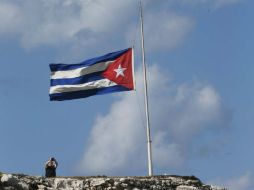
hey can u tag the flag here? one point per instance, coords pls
(109, 73)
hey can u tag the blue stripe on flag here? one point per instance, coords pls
(86, 93)
(89, 62)
(78, 80)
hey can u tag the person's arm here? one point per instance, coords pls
(46, 164)
(56, 163)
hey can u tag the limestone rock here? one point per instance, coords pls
(166, 182)
(97, 182)
(185, 187)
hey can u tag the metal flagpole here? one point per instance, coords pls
(149, 150)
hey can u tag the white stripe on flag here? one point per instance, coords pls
(80, 71)
(77, 87)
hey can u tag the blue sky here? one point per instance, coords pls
(199, 56)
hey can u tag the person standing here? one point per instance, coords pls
(50, 167)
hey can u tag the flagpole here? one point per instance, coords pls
(149, 141)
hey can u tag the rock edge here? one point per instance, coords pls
(165, 182)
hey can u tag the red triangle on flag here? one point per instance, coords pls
(120, 71)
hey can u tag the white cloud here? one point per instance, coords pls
(117, 142)
(10, 17)
(244, 182)
(167, 32)
(82, 24)
(94, 24)
(214, 3)
(62, 21)
(221, 3)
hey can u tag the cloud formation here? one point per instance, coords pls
(221, 3)
(82, 24)
(244, 182)
(179, 114)
(165, 33)
(10, 16)
(78, 25)
(61, 21)
(214, 3)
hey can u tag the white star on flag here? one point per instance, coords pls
(119, 71)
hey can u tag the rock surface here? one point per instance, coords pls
(25, 182)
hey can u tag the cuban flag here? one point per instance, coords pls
(109, 73)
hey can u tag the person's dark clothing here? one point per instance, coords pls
(50, 171)
(50, 168)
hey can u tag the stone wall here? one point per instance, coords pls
(24, 182)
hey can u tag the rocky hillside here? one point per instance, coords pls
(25, 182)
